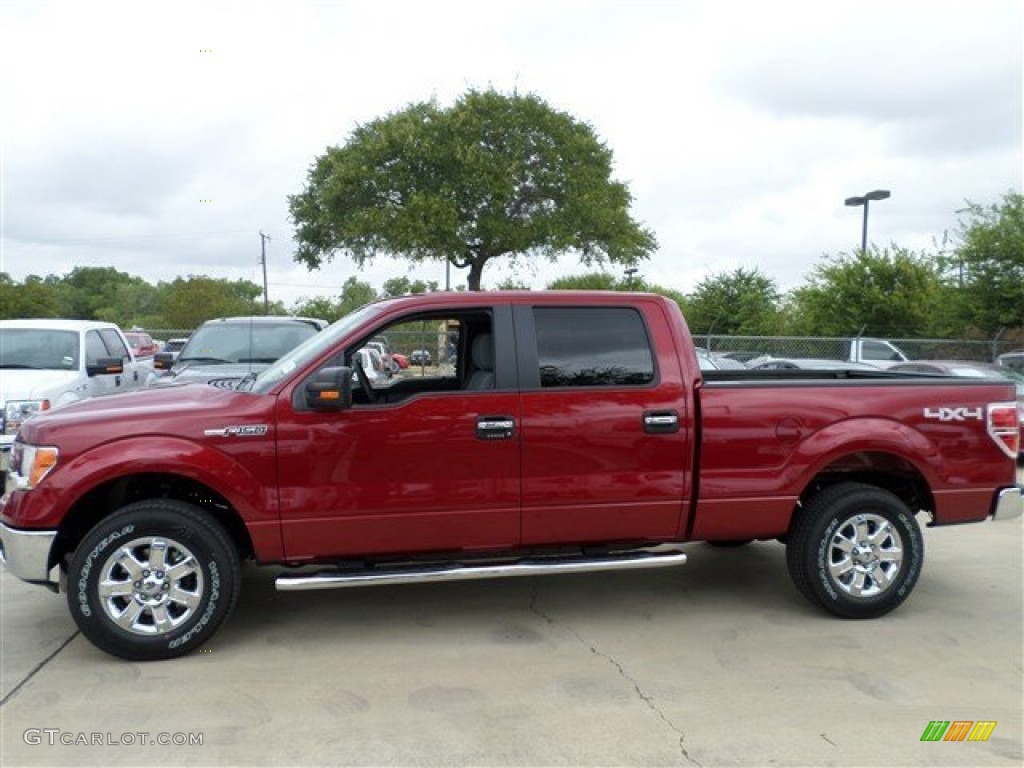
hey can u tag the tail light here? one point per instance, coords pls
(1004, 426)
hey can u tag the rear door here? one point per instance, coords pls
(605, 430)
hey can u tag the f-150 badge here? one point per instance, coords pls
(954, 414)
(241, 430)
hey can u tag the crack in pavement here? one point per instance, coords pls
(622, 672)
(38, 667)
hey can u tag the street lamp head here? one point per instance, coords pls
(878, 194)
(856, 200)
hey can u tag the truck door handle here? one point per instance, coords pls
(661, 422)
(495, 427)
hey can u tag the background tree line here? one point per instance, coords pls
(507, 177)
(973, 288)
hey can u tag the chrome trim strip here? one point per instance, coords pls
(460, 572)
(1009, 504)
(26, 554)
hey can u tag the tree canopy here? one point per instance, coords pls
(493, 176)
(989, 265)
(884, 292)
(743, 302)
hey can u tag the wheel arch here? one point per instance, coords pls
(111, 495)
(883, 469)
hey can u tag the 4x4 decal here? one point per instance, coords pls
(960, 413)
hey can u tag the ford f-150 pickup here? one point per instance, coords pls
(573, 431)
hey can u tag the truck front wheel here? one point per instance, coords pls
(153, 581)
(855, 550)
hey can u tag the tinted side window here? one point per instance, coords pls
(592, 347)
(94, 348)
(114, 343)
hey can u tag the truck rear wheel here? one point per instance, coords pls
(153, 581)
(855, 550)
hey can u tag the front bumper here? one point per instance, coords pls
(26, 554)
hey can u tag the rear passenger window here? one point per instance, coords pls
(592, 347)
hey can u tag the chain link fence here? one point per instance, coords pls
(838, 348)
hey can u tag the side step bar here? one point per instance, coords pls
(656, 557)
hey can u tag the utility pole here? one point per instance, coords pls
(263, 261)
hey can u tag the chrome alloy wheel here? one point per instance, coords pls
(865, 555)
(151, 585)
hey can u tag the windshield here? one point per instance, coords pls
(39, 349)
(244, 342)
(312, 348)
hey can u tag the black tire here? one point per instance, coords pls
(855, 550)
(170, 598)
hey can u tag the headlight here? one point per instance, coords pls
(31, 463)
(16, 411)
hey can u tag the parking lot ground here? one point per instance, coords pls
(718, 662)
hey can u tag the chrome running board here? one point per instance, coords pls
(655, 557)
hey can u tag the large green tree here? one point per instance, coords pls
(189, 302)
(495, 175)
(744, 302)
(403, 286)
(354, 294)
(886, 292)
(34, 297)
(987, 266)
(604, 281)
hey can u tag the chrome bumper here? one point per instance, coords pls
(26, 554)
(1009, 504)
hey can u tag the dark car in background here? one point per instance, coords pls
(420, 357)
(230, 348)
(1014, 360)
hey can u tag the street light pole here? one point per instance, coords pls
(629, 276)
(878, 194)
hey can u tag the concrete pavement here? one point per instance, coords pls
(718, 662)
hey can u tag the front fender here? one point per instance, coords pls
(244, 474)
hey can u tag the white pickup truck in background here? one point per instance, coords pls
(878, 352)
(45, 364)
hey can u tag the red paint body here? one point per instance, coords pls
(413, 477)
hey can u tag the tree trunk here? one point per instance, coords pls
(476, 270)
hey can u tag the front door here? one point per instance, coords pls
(426, 467)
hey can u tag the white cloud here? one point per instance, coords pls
(740, 127)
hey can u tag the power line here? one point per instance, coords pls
(108, 238)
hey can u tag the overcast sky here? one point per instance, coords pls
(160, 138)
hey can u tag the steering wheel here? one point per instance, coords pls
(364, 381)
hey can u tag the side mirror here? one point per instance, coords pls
(105, 365)
(163, 361)
(330, 389)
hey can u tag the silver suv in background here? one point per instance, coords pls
(230, 348)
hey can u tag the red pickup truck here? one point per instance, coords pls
(571, 432)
